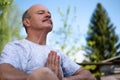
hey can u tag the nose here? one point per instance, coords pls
(48, 15)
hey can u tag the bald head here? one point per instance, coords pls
(36, 7)
(34, 14)
(26, 14)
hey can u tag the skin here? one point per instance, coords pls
(8, 72)
(53, 62)
(54, 65)
(42, 74)
(38, 25)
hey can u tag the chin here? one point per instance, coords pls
(49, 29)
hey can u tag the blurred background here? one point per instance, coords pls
(85, 30)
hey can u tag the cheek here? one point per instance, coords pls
(36, 21)
(36, 18)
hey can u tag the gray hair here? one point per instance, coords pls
(25, 15)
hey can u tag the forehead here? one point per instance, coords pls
(36, 8)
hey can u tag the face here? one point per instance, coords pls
(40, 18)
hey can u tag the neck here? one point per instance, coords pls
(37, 38)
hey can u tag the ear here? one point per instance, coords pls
(26, 22)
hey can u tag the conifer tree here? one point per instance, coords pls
(102, 41)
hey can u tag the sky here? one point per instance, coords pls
(84, 11)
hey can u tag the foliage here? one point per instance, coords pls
(67, 36)
(102, 41)
(9, 22)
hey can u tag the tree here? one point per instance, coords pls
(9, 22)
(102, 41)
(67, 38)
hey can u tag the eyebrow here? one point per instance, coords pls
(44, 11)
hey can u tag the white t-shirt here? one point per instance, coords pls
(28, 56)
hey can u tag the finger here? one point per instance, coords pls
(54, 55)
(57, 63)
(50, 58)
(48, 62)
(54, 65)
(59, 68)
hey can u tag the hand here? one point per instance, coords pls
(85, 74)
(81, 74)
(53, 62)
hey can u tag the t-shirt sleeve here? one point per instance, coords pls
(69, 67)
(9, 55)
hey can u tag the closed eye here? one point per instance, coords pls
(40, 12)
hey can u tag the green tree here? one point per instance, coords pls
(102, 41)
(9, 22)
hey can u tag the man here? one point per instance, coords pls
(32, 58)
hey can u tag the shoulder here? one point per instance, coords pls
(18, 42)
(15, 45)
(15, 48)
(15, 42)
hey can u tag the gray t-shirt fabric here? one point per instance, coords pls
(28, 56)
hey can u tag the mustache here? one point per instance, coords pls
(47, 19)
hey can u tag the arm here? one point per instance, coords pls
(8, 72)
(81, 74)
(53, 62)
